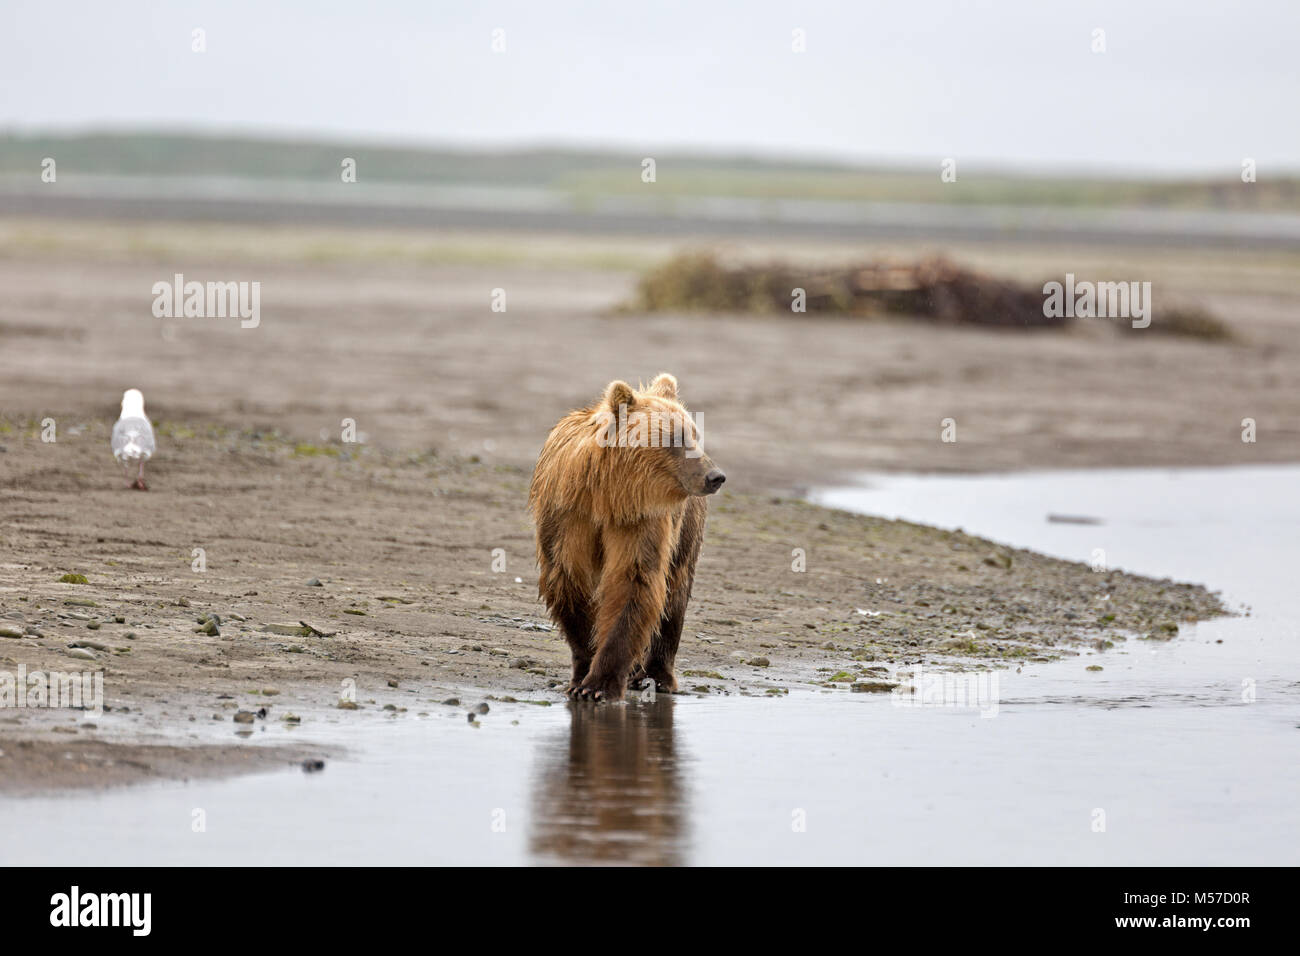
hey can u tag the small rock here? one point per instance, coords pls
(760, 662)
(244, 717)
(482, 709)
(81, 653)
(10, 632)
(93, 645)
(347, 705)
(313, 766)
(452, 701)
(315, 583)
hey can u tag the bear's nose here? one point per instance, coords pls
(714, 479)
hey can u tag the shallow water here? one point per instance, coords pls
(1189, 748)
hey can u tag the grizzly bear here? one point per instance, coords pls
(618, 499)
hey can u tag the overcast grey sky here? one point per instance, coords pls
(1190, 86)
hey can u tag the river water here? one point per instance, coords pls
(1179, 752)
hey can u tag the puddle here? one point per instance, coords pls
(1188, 748)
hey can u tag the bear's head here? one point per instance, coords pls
(654, 436)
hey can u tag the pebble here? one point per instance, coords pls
(313, 766)
(81, 653)
(315, 583)
(243, 717)
(10, 632)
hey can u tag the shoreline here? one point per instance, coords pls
(410, 611)
(452, 401)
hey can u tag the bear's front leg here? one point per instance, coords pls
(575, 623)
(629, 602)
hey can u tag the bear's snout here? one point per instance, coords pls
(713, 481)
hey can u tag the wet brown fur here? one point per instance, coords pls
(618, 534)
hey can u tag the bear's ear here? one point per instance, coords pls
(619, 393)
(664, 385)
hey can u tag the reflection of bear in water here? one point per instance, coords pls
(610, 792)
(620, 517)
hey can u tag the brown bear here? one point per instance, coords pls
(618, 498)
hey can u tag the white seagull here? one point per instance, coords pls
(133, 437)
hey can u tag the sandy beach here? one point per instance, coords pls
(451, 402)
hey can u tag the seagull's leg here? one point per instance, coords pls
(139, 481)
(126, 471)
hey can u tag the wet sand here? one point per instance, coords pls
(452, 402)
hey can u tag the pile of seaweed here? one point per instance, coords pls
(933, 289)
